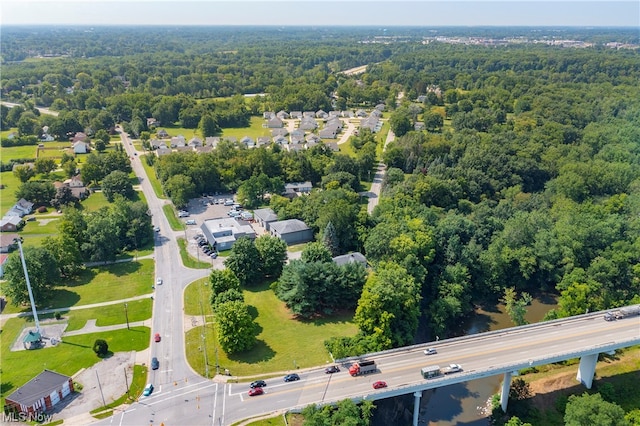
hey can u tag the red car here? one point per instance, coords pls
(379, 385)
(256, 391)
(157, 337)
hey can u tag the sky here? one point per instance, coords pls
(625, 13)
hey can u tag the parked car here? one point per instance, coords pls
(183, 213)
(156, 228)
(157, 337)
(190, 222)
(379, 384)
(258, 384)
(159, 281)
(430, 351)
(291, 377)
(213, 254)
(155, 364)
(256, 391)
(147, 389)
(332, 369)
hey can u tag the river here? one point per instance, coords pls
(467, 403)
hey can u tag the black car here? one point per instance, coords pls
(332, 369)
(155, 364)
(258, 384)
(291, 377)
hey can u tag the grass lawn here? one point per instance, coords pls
(255, 130)
(188, 260)
(170, 212)
(273, 350)
(137, 310)
(151, 175)
(8, 193)
(74, 353)
(94, 202)
(18, 152)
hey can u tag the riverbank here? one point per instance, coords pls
(551, 385)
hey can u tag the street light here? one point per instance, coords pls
(126, 314)
(26, 277)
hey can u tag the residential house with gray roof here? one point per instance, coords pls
(291, 231)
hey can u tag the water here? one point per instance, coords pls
(467, 403)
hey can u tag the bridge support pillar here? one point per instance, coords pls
(504, 396)
(587, 369)
(416, 407)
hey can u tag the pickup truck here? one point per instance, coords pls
(452, 368)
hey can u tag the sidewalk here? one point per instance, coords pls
(91, 327)
(5, 317)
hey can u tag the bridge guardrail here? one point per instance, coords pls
(512, 330)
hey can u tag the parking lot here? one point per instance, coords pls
(205, 208)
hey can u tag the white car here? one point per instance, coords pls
(452, 368)
(430, 351)
(159, 281)
(190, 222)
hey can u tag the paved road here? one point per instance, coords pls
(378, 178)
(43, 110)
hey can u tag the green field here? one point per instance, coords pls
(74, 353)
(137, 310)
(284, 343)
(102, 284)
(151, 175)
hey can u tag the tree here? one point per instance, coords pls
(330, 240)
(102, 136)
(181, 189)
(432, 121)
(39, 193)
(64, 196)
(43, 276)
(235, 328)
(242, 261)
(101, 347)
(45, 165)
(100, 145)
(23, 172)
(223, 280)
(516, 308)
(208, 126)
(315, 252)
(66, 252)
(588, 409)
(400, 122)
(273, 255)
(117, 183)
(389, 305)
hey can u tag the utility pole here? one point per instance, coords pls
(26, 277)
(126, 315)
(104, 404)
(125, 379)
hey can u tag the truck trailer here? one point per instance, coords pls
(362, 367)
(627, 311)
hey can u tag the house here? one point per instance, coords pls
(177, 141)
(328, 133)
(268, 115)
(248, 142)
(280, 140)
(348, 114)
(333, 146)
(195, 142)
(26, 207)
(203, 149)
(162, 134)
(7, 242)
(10, 223)
(380, 107)
(291, 231)
(152, 122)
(295, 147)
(279, 132)
(263, 141)
(40, 394)
(80, 147)
(418, 126)
(296, 115)
(350, 258)
(79, 137)
(231, 139)
(74, 182)
(308, 124)
(321, 114)
(212, 141)
(297, 188)
(361, 113)
(312, 138)
(264, 217)
(184, 148)
(3, 259)
(334, 113)
(282, 115)
(163, 151)
(275, 123)
(309, 114)
(222, 233)
(46, 137)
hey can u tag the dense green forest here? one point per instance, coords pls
(528, 177)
